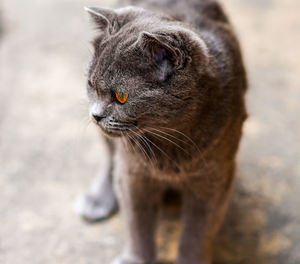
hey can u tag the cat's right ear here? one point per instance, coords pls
(167, 57)
(104, 18)
(159, 49)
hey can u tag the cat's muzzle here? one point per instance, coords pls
(115, 128)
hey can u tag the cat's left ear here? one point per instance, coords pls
(104, 18)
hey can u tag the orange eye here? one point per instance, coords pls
(122, 98)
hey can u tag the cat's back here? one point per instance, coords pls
(191, 11)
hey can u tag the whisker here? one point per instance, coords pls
(86, 121)
(140, 146)
(169, 140)
(124, 141)
(188, 138)
(129, 140)
(170, 135)
(163, 152)
(181, 133)
(145, 141)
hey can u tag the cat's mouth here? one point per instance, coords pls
(116, 128)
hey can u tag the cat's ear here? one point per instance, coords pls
(104, 18)
(165, 55)
(159, 49)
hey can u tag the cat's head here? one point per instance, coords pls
(145, 71)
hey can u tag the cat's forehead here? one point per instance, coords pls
(118, 54)
(111, 72)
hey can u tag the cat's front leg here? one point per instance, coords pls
(100, 201)
(139, 197)
(202, 217)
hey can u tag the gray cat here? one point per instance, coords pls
(166, 86)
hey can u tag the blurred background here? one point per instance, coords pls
(49, 153)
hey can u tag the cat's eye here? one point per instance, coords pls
(121, 97)
(90, 84)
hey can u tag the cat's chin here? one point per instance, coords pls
(116, 128)
(113, 133)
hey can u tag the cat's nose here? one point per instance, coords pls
(98, 118)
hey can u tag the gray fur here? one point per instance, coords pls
(181, 124)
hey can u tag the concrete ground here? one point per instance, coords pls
(49, 153)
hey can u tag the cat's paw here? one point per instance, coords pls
(92, 208)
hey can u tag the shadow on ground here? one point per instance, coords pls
(253, 231)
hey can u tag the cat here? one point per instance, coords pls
(166, 86)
